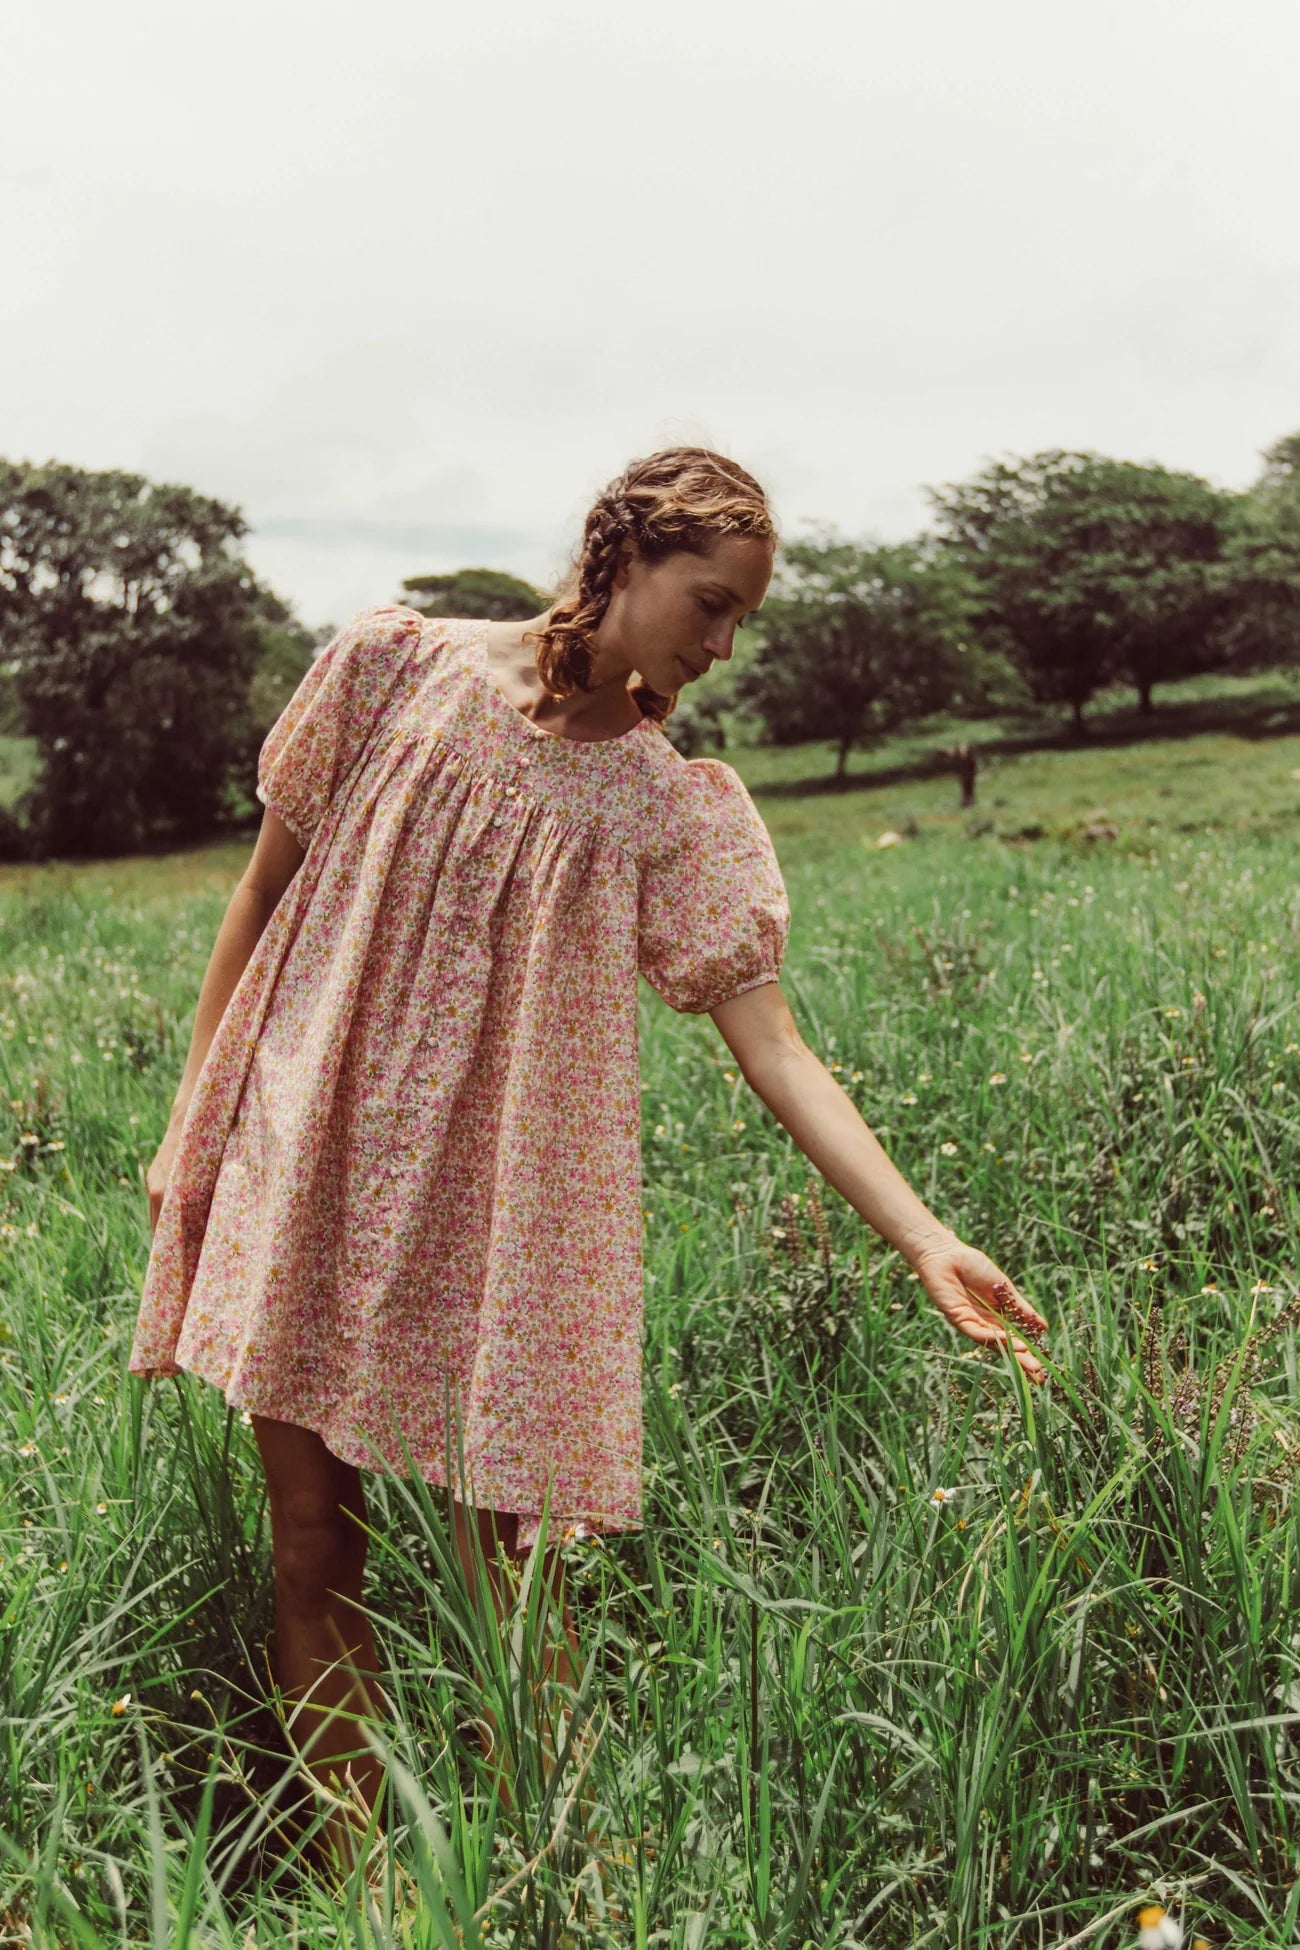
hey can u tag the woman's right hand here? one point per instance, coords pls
(155, 1179)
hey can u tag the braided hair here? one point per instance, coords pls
(681, 498)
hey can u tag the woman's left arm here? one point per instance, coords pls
(970, 1291)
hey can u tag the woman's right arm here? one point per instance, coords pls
(276, 859)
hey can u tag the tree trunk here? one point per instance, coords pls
(841, 763)
(1077, 726)
(1145, 706)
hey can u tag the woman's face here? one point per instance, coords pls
(671, 621)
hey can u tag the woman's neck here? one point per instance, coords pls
(604, 711)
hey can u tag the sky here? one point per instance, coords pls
(409, 283)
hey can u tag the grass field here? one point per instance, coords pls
(840, 1711)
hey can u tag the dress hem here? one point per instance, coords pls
(347, 1451)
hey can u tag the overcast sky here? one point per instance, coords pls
(408, 283)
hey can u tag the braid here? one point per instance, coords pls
(681, 498)
(564, 650)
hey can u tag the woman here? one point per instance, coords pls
(398, 1205)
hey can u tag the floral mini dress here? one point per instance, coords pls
(405, 1208)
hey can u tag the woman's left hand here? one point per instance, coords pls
(977, 1298)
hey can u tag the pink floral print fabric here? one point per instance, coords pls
(406, 1204)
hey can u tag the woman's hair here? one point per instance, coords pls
(680, 498)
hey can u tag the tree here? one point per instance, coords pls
(1094, 570)
(134, 628)
(285, 652)
(857, 640)
(474, 592)
(1281, 475)
(1264, 550)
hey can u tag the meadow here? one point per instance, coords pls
(909, 1653)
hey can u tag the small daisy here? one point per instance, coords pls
(119, 1706)
(1158, 1930)
(948, 1149)
(942, 1495)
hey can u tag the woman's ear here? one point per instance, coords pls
(626, 556)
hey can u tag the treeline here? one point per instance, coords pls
(1042, 581)
(147, 662)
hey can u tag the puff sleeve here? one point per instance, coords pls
(329, 721)
(713, 917)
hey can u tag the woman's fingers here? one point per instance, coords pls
(983, 1328)
(977, 1298)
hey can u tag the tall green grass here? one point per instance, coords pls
(823, 1706)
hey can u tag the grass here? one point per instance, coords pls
(834, 1710)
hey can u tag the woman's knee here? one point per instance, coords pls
(316, 1501)
(316, 1558)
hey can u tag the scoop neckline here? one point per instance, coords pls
(526, 723)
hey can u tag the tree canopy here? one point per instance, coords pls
(1092, 570)
(135, 630)
(474, 592)
(857, 639)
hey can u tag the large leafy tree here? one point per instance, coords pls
(858, 639)
(135, 629)
(474, 592)
(1093, 571)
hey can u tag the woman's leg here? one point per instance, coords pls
(320, 1555)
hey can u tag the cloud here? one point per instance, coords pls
(409, 288)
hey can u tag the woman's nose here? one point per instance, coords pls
(719, 643)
